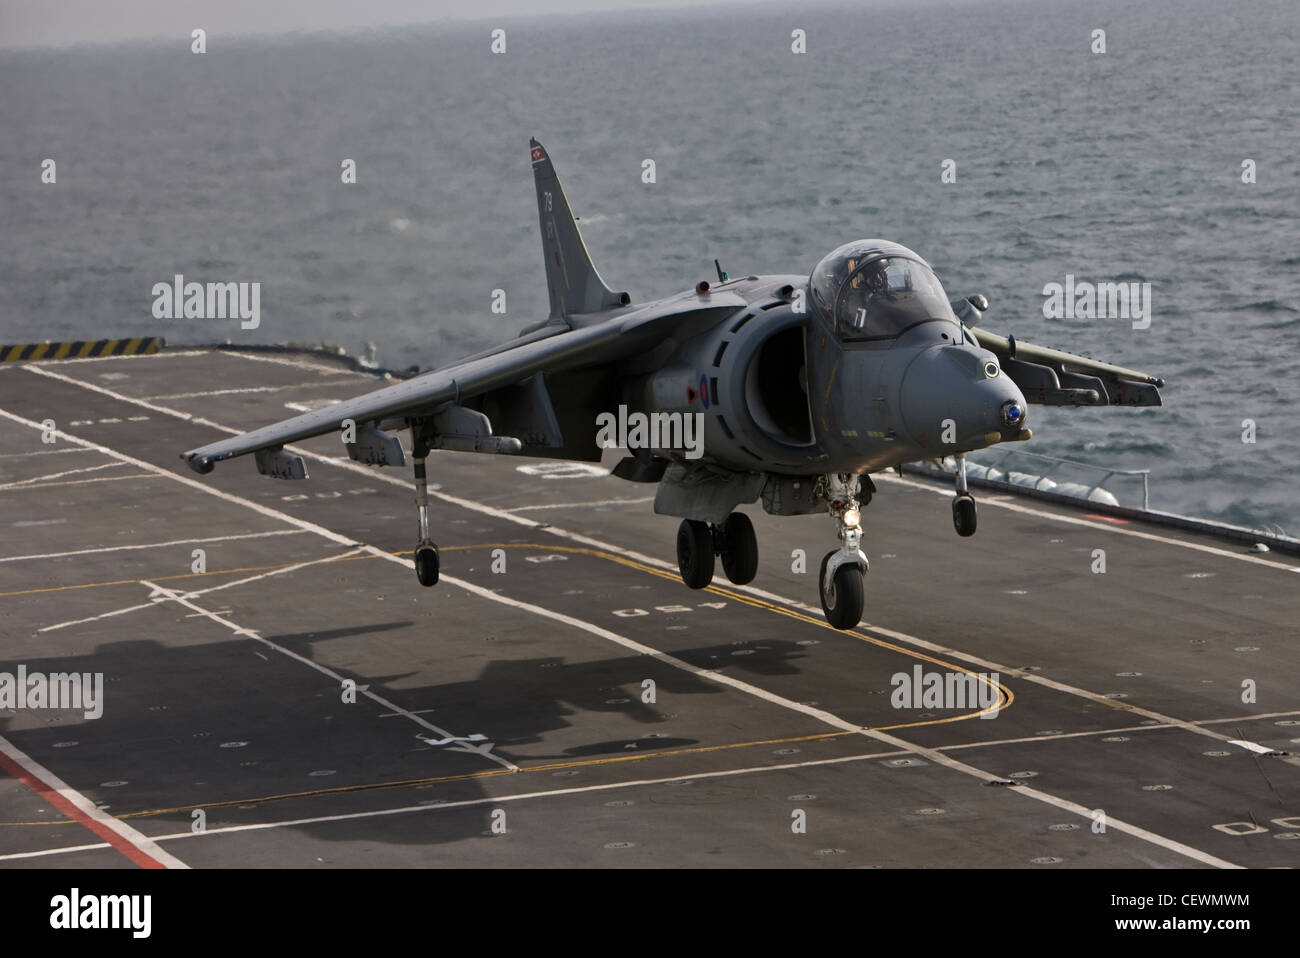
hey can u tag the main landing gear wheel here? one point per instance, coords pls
(695, 553)
(842, 602)
(963, 514)
(739, 549)
(426, 564)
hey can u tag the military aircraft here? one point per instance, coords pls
(800, 387)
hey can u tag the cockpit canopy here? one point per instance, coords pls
(874, 290)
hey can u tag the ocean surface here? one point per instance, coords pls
(1122, 166)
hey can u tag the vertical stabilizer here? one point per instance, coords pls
(571, 279)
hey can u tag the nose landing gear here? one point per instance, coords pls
(963, 506)
(840, 581)
(843, 594)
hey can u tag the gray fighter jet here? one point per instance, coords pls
(791, 389)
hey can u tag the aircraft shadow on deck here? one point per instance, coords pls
(224, 726)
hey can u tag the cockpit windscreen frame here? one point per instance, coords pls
(882, 295)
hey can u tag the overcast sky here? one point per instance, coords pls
(58, 22)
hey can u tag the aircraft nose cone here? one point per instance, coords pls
(955, 398)
(1012, 414)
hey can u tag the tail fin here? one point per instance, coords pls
(572, 280)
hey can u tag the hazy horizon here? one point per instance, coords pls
(61, 23)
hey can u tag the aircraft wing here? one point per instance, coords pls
(616, 338)
(1054, 378)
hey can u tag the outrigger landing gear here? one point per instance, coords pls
(699, 542)
(840, 581)
(963, 506)
(426, 553)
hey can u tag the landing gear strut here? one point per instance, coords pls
(840, 580)
(426, 553)
(963, 505)
(699, 542)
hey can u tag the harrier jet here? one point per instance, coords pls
(791, 389)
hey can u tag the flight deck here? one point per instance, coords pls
(279, 690)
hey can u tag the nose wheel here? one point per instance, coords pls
(843, 594)
(840, 582)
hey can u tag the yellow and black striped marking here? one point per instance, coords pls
(82, 349)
